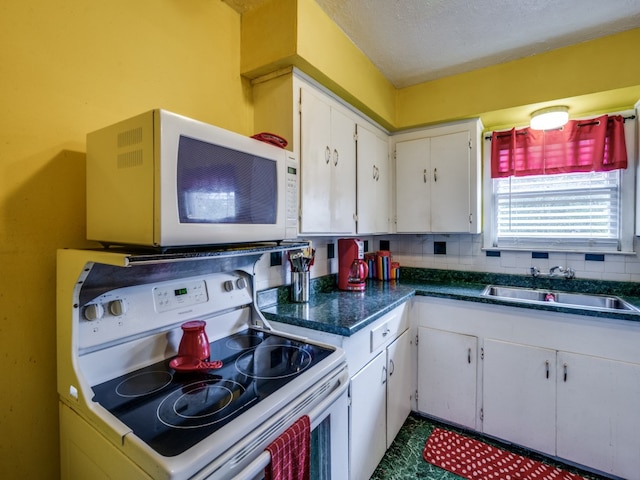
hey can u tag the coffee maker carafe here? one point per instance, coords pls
(352, 269)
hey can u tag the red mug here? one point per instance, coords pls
(194, 342)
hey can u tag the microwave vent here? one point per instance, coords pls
(130, 137)
(130, 159)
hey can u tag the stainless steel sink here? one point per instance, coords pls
(566, 299)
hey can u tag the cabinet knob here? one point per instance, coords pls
(424, 175)
(335, 157)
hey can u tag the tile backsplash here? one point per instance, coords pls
(463, 252)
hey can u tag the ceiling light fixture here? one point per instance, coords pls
(550, 118)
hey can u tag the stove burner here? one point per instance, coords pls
(242, 342)
(200, 404)
(272, 361)
(143, 384)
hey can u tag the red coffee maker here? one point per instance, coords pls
(352, 269)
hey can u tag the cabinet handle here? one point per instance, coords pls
(393, 367)
(469, 356)
(384, 375)
(424, 175)
(547, 368)
(435, 174)
(566, 369)
(327, 155)
(335, 157)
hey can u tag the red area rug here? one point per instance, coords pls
(475, 460)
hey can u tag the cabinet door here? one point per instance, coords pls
(598, 420)
(367, 418)
(519, 394)
(413, 205)
(398, 385)
(372, 185)
(342, 186)
(315, 163)
(447, 375)
(450, 186)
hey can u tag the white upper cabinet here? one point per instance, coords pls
(373, 184)
(438, 178)
(327, 164)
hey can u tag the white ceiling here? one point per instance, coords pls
(414, 41)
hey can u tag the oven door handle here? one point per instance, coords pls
(315, 416)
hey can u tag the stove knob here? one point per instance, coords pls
(93, 311)
(117, 307)
(241, 283)
(228, 285)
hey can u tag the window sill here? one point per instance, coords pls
(583, 251)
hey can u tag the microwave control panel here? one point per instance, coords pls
(291, 220)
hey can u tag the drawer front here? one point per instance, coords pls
(388, 328)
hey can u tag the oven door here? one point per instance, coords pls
(329, 443)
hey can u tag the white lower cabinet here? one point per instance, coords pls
(368, 422)
(381, 364)
(380, 403)
(579, 407)
(447, 375)
(399, 384)
(519, 394)
(598, 413)
(382, 382)
(561, 384)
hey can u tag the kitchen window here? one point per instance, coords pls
(563, 210)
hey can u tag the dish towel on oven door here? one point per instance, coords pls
(290, 453)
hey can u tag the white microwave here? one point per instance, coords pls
(164, 180)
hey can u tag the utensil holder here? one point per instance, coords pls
(300, 287)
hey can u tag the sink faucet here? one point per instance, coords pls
(558, 270)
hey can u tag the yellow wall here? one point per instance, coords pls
(590, 77)
(508, 93)
(320, 49)
(67, 68)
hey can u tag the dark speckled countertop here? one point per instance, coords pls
(344, 313)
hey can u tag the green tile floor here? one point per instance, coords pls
(404, 459)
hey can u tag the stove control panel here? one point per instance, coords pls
(179, 295)
(140, 310)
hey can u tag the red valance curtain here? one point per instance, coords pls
(594, 145)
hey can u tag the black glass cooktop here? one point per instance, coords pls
(172, 411)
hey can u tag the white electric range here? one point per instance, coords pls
(126, 413)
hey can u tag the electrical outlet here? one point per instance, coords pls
(276, 258)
